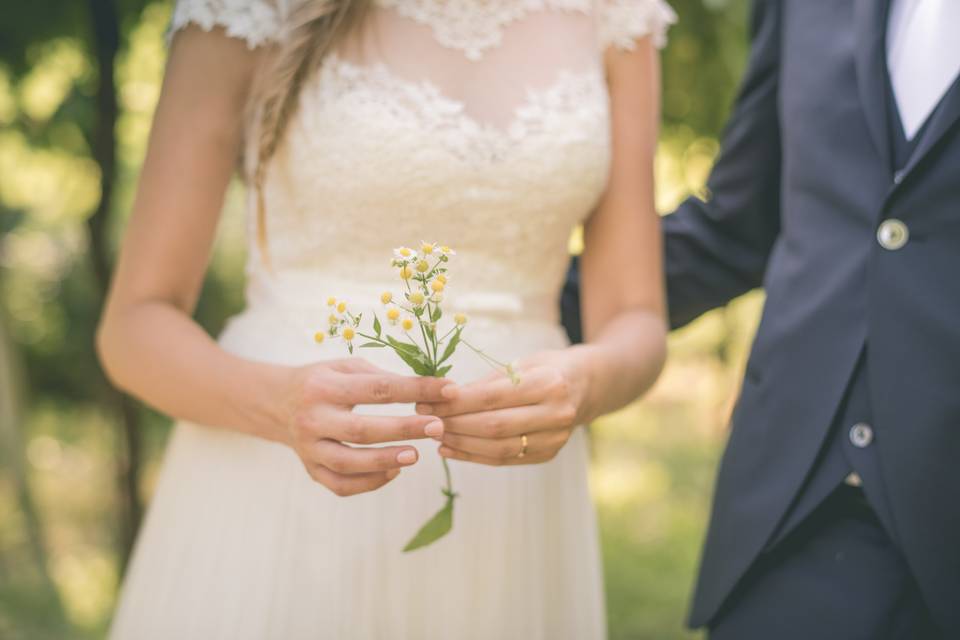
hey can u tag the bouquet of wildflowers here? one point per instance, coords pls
(415, 317)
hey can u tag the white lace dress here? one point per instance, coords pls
(482, 124)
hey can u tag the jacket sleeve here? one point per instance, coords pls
(717, 249)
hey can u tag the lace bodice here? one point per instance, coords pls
(480, 123)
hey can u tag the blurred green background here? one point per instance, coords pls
(78, 84)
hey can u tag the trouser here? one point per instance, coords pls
(836, 576)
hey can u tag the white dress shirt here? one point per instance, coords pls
(923, 56)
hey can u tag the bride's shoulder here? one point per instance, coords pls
(622, 22)
(257, 22)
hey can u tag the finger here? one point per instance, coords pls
(504, 448)
(355, 365)
(356, 428)
(384, 388)
(453, 454)
(343, 486)
(504, 423)
(347, 460)
(496, 393)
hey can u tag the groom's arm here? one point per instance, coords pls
(716, 250)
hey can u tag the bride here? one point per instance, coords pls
(495, 126)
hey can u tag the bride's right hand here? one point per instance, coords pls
(322, 422)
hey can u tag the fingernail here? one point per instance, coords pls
(407, 456)
(424, 409)
(434, 429)
(450, 391)
(444, 452)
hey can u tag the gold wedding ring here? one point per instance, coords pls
(523, 446)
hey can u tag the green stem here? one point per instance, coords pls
(374, 339)
(489, 359)
(446, 472)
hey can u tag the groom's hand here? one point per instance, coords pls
(322, 422)
(496, 422)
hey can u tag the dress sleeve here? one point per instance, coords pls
(257, 22)
(622, 22)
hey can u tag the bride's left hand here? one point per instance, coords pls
(488, 420)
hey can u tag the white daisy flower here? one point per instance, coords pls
(404, 254)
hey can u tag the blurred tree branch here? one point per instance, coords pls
(106, 30)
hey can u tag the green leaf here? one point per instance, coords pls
(376, 325)
(418, 367)
(369, 345)
(404, 346)
(435, 528)
(451, 346)
(437, 314)
(442, 371)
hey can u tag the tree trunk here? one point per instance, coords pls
(106, 31)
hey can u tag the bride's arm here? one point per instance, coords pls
(150, 346)
(622, 304)
(623, 308)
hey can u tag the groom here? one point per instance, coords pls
(837, 507)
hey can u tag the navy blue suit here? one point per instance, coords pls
(860, 258)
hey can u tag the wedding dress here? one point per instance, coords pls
(482, 124)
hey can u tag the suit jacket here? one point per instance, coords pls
(797, 199)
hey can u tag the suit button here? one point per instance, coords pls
(853, 480)
(861, 435)
(893, 234)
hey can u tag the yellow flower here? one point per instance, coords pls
(406, 272)
(341, 307)
(442, 278)
(407, 324)
(348, 333)
(437, 286)
(512, 373)
(447, 251)
(416, 298)
(318, 337)
(393, 314)
(427, 248)
(460, 318)
(334, 320)
(331, 301)
(423, 266)
(386, 297)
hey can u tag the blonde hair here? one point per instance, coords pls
(315, 29)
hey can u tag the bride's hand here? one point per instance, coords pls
(487, 421)
(322, 420)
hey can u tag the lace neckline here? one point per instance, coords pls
(573, 97)
(475, 26)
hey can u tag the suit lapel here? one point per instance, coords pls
(870, 21)
(944, 117)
